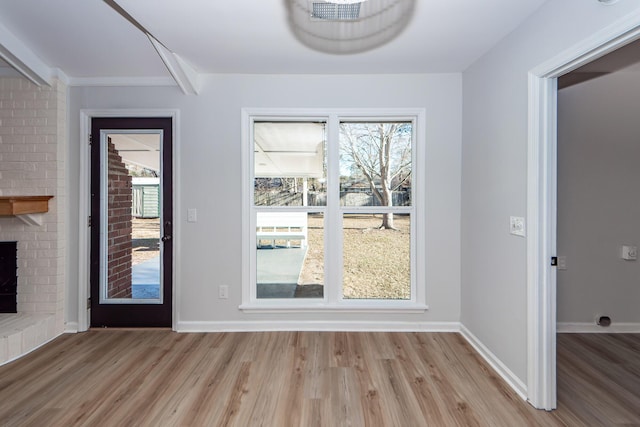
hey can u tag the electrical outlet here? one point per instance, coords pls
(562, 263)
(516, 226)
(630, 253)
(223, 292)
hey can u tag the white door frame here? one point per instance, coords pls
(84, 202)
(542, 203)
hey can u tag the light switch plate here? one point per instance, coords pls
(192, 215)
(223, 292)
(516, 226)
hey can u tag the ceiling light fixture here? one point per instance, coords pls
(348, 26)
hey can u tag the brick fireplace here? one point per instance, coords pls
(8, 277)
(33, 136)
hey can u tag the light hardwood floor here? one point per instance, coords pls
(161, 378)
(599, 379)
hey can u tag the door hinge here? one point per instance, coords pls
(89, 221)
(90, 139)
(554, 261)
(88, 303)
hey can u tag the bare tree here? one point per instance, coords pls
(381, 153)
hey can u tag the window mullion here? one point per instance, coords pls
(333, 236)
(252, 216)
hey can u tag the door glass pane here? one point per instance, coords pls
(375, 163)
(289, 164)
(131, 216)
(376, 261)
(289, 254)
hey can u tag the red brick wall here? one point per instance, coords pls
(119, 227)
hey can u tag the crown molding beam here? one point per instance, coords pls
(122, 12)
(22, 59)
(182, 72)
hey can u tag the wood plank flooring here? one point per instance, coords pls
(599, 379)
(161, 378)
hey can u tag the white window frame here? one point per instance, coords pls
(332, 300)
(104, 215)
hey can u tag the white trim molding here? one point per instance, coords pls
(541, 244)
(592, 328)
(276, 306)
(71, 328)
(121, 81)
(316, 325)
(84, 205)
(333, 300)
(496, 364)
(541, 201)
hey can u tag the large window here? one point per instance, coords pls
(334, 216)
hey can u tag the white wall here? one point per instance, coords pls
(494, 170)
(599, 199)
(209, 155)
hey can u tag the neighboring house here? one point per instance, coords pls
(477, 130)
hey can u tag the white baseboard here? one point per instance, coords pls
(71, 328)
(592, 328)
(341, 326)
(501, 369)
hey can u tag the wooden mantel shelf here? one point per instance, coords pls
(28, 208)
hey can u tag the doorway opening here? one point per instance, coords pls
(131, 222)
(542, 204)
(598, 154)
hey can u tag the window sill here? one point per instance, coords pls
(281, 306)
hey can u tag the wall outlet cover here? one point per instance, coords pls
(629, 253)
(516, 226)
(562, 263)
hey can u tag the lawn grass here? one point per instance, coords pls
(376, 263)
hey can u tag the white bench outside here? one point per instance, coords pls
(287, 226)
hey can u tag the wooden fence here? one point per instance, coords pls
(348, 198)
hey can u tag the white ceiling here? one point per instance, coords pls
(88, 39)
(140, 149)
(289, 149)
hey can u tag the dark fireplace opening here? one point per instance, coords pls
(8, 277)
